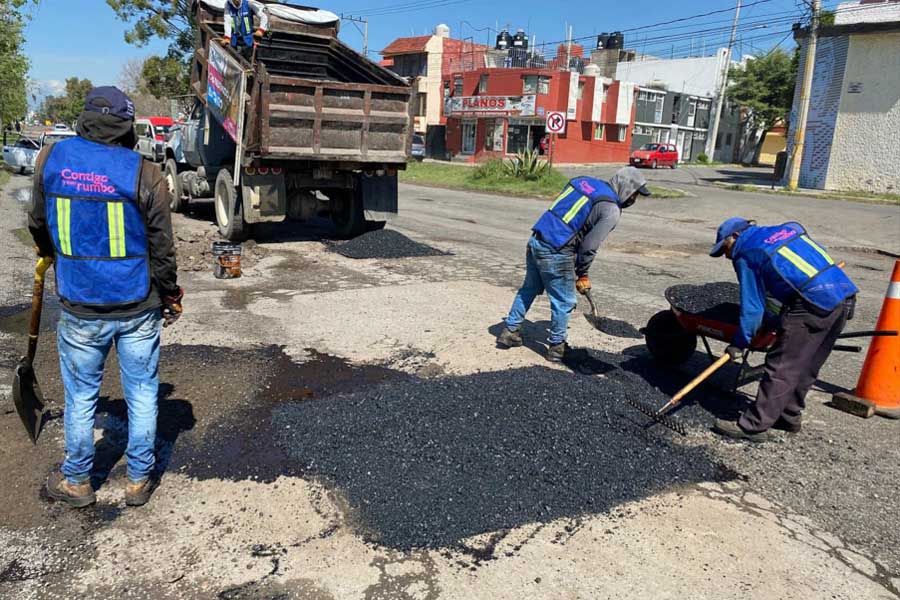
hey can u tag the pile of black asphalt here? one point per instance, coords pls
(718, 301)
(430, 463)
(383, 243)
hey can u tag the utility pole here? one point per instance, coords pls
(720, 102)
(364, 31)
(809, 66)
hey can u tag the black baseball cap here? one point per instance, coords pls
(110, 100)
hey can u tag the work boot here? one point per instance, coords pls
(77, 495)
(510, 339)
(138, 493)
(557, 352)
(733, 430)
(784, 425)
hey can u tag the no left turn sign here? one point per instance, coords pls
(556, 122)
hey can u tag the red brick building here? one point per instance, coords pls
(497, 112)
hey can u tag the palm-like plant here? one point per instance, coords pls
(526, 165)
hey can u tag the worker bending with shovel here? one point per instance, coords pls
(784, 272)
(562, 247)
(240, 32)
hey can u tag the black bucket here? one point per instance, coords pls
(228, 260)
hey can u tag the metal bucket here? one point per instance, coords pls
(228, 260)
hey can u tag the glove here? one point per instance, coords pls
(226, 40)
(583, 285)
(734, 352)
(259, 33)
(172, 308)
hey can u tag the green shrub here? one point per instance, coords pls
(702, 158)
(526, 165)
(490, 170)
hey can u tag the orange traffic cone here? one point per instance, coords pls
(878, 388)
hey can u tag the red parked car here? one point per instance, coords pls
(655, 155)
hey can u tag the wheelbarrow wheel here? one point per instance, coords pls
(667, 340)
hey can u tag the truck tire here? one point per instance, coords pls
(229, 209)
(347, 214)
(177, 201)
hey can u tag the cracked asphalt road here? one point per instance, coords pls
(240, 516)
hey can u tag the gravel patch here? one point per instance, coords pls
(719, 301)
(614, 327)
(429, 463)
(384, 243)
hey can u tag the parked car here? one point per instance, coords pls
(418, 147)
(655, 155)
(60, 127)
(23, 154)
(152, 133)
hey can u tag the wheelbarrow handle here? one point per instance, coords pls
(37, 304)
(723, 360)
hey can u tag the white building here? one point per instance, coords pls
(853, 126)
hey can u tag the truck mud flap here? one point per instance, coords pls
(379, 195)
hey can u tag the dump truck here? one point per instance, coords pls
(302, 127)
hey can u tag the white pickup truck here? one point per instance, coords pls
(23, 154)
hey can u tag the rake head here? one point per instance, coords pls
(655, 414)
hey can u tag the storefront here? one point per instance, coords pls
(481, 127)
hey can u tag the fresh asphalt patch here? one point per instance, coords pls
(383, 243)
(430, 463)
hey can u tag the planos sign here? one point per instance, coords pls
(489, 105)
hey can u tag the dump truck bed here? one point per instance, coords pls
(312, 98)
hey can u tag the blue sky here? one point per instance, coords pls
(83, 38)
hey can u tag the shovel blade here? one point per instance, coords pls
(28, 400)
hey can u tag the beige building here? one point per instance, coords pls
(429, 59)
(852, 131)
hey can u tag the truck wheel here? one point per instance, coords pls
(347, 214)
(177, 201)
(667, 341)
(229, 209)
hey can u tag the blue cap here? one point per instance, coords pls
(110, 100)
(726, 230)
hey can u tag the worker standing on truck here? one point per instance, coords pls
(239, 31)
(102, 212)
(562, 247)
(782, 271)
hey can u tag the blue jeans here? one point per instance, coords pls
(546, 270)
(83, 347)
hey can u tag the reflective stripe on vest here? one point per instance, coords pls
(63, 227)
(562, 196)
(575, 208)
(115, 214)
(802, 264)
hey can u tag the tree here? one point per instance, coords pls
(131, 81)
(13, 63)
(164, 19)
(65, 109)
(165, 77)
(765, 86)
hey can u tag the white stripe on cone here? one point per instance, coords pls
(893, 291)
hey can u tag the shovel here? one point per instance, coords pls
(26, 393)
(593, 318)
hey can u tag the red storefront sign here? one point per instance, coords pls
(489, 105)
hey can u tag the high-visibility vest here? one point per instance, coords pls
(568, 213)
(800, 262)
(97, 228)
(241, 24)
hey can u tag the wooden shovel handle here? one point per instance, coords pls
(37, 304)
(725, 358)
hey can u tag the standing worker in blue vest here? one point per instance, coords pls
(102, 213)
(783, 272)
(562, 247)
(239, 30)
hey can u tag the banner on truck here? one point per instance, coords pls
(225, 91)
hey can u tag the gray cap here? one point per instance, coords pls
(627, 181)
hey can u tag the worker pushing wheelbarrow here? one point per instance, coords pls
(792, 303)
